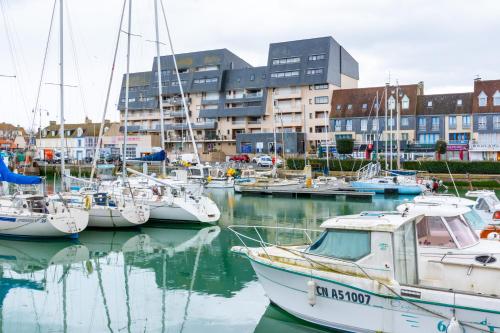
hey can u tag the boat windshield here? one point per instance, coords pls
(474, 220)
(462, 231)
(350, 245)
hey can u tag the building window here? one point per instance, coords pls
(350, 245)
(422, 124)
(315, 57)
(435, 124)
(252, 77)
(459, 102)
(339, 107)
(364, 107)
(452, 122)
(321, 86)
(176, 83)
(496, 122)
(405, 102)
(208, 80)
(314, 71)
(279, 75)
(391, 123)
(348, 125)
(130, 152)
(428, 138)
(392, 103)
(482, 99)
(338, 125)
(364, 125)
(496, 99)
(465, 122)
(429, 104)
(481, 122)
(282, 61)
(349, 106)
(321, 100)
(405, 121)
(375, 125)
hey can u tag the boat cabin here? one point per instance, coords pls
(440, 252)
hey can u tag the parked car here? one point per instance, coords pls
(265, 161)
(243, 158)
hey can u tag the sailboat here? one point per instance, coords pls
(29, 213)
(169, 200)
(106, 210)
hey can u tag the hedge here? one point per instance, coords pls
(461, 167)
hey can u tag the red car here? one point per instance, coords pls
(244, 158)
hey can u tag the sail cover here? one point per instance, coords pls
(8, 176)
(159, 156)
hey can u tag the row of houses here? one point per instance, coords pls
(469, 121)
(308, 92)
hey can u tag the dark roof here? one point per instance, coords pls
(89, 129)
(490, 87)
(357, 97)
(443, 104)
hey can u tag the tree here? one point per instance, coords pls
(440, 148)
(345, 146)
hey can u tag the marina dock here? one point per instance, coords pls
(349, 193)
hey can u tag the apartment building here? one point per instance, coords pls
(234, 107)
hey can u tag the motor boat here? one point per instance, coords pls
(371, 179)
(382, 272)
(218, 178)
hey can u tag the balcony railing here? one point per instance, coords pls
(247, 95)
(435, 128)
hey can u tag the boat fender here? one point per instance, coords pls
(87, 202)
(454, 326)
(311, 292)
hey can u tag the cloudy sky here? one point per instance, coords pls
(444, 43)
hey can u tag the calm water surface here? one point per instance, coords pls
(159, 278)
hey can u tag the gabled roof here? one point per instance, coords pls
(88, 129)
(489, 87)
(357, 97)
(444, 104)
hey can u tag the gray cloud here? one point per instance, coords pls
(443, 43)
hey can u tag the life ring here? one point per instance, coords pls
(87, 202)
(490, 232)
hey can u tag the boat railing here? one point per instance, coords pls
(272, 231)
(369, 171)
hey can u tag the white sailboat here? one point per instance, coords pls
(384, 272)
(118, 209)
(171, 200)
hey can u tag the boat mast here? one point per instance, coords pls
(274, 129)
(103, 120)
(61, 89)
(184, 104)
(385, 125)
(390, 138)
(398, 115)
(326, 143)
(160, 94)
(377, 135)
(127, 84)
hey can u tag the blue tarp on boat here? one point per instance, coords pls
(8, 176)
(159, 156)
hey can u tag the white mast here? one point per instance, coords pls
(184, 104)
(326, 143)
(385, 125)
(377, 134)
(127, 84)
(398, 115)
(61, 89)
(103, 120)
(274, 129)
(390, 139)
(160, 95)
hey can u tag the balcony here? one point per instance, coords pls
(458, 142)
(176, 101)
(239, 122)
(435, 128)
(245, 96)
(177, 114)
(287, 94)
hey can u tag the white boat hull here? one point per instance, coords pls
(181, 210)
(63, 224)
(351, 308)
(229, 183)
(118, 217)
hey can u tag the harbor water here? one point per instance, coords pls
(160, 277)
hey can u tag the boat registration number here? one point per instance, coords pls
(343, 295)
